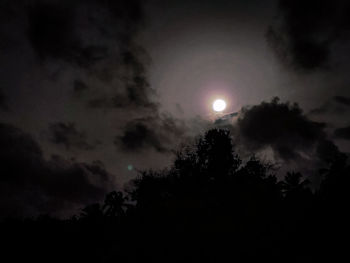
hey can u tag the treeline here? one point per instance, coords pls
(208, 207)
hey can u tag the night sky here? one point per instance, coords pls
(91, 92)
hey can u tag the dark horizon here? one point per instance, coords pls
(209, 206)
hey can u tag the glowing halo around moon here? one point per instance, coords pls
(219, 105)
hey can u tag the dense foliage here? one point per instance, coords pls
(209, 206)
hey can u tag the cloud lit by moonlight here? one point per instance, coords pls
(219, 105)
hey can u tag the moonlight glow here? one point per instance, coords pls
(219, 105)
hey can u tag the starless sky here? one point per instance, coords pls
(89, 89)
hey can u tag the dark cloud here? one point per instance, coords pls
(96, 38)
(137, 88)
(281, 126)
(336, 105)
(139, 135)
(83, 32)
(101, 102)
(68, 29)
(51, 31)
(3, 104)
(342, 100)
(79, 87)
(328, 152)
(7, 14)
(226, 118)
(66, 134)
(160, 133)
(137, 93)
(306, 31)
(324, 108)
(30, 184)
(342, 133)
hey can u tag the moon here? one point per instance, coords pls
(219, 105)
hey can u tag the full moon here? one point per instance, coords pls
(219, 105)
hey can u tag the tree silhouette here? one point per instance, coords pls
(208, 206)
(114, 204)
(294, 184)
(92, 212)
(215, 154)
